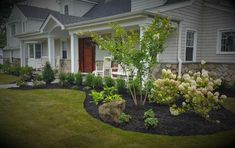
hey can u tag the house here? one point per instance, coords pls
(205, 30)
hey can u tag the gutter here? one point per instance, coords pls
(179, 50)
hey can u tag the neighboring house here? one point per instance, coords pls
(205, 30)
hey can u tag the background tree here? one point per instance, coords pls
(137, 56)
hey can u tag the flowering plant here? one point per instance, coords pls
(197, 89)
(166, 89)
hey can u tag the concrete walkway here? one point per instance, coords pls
(2, 86)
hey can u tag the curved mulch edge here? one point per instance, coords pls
(186, 124)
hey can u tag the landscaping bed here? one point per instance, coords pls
(186, 124)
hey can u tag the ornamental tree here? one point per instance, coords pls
(136, 55)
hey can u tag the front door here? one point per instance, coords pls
(86, 55)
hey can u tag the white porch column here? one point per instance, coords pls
(74, 52)
(51, 51)
(22, 54)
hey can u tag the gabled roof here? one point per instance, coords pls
(35, 12)
(109, 7)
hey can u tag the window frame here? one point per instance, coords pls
(61, 48)
(23, 23)
(12, 35)
(194, 44)
(34, 50)
(219, 37)
(66, 12)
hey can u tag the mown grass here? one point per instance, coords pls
(56, 118)
(7, 79)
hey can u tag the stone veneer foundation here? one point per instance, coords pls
(224, 71)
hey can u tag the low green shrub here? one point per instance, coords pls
(21, 83)
(97, 97)
(70, 78)
(149, 114)
(38, 84)
(78, 79)
(26, 73)
(89, 80)
(151, 122)
(48, 74)
(120, 85)
(97, 82)
(124, 118)
(63, 79)
(109, 91)
(111, 98)
(109, 82)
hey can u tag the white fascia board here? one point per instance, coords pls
(48, 19)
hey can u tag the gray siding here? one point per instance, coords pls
(145, 4)
(191, 16)
(33, 25)
(214, 20)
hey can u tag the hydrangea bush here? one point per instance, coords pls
(197, 89)
(166, 89)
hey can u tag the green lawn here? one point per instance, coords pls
(7, 79)
(56, 118)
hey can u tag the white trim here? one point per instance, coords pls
(47, 20)
(219, 7)
(218, 45)
(194, 44)
(179, 48)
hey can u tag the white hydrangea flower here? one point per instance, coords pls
(203, 62)
(183, 103)
(199, 79)
(216, 93)
(218, 81)
(223, 97)
(209, 94)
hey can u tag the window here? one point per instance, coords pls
(64, 49)
(38, 51)
(227, 41)
(23, 26)
(190, 45)
(66, 10)
(35, 50)
(31, 51)
(13, 29)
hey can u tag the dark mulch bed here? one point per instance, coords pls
(185, 124)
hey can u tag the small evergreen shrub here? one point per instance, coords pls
(97, 82)
(151, 122)
(89, 80)
(149, 114)
(78, 78)
(109, 82)
(120, 85)
(48, 74)
(124, 118)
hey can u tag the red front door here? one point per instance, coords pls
(86, 55)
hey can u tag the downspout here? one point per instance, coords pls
(179, 50)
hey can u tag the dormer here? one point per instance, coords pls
(75, 7)
(137, 5)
